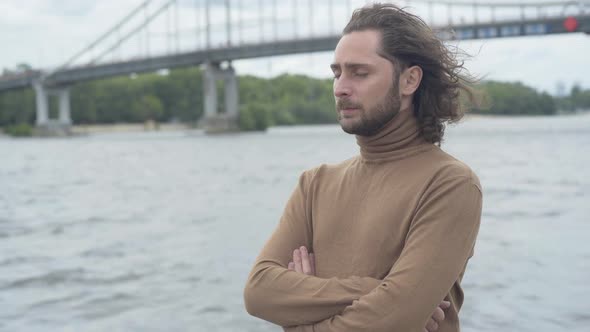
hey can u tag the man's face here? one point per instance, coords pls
(365, 89)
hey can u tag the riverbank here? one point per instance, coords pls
(89, 129)
(128, 127)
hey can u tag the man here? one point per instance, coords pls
(380, 241)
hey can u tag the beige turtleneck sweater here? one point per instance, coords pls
(391, 229)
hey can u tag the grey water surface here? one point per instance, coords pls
(157, 231)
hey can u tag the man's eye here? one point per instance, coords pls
(336, 76)
(361, 74)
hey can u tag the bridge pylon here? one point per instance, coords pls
(45, 126)
(214, 121)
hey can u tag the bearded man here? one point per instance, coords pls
(379, 242)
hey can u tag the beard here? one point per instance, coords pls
(371, 121)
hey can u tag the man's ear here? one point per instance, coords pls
(410, 80)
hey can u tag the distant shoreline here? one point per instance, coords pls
(88, 129)
(140, 127)
(84, 129)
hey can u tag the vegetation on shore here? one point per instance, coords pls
(19, 130)
(282, 100)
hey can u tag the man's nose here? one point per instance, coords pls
(342, 88)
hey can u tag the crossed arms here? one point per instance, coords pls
(304, 262)
(438, 244)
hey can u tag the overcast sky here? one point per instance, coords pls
(45, 33)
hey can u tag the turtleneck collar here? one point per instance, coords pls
(399, 138)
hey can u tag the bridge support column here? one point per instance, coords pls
(213, 121)
(42, 104)
(231, 93)
(65, 118)
(45, 125)
(210, 90)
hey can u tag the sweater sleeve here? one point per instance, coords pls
(288, 298)
(439, 242)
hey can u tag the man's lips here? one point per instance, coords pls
(348, 111)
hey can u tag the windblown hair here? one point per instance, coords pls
(406, 40)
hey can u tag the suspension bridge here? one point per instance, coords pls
(169, 34)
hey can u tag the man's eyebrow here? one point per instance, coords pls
(351, 65)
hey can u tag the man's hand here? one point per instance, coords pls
(304, 262)
(437, 317)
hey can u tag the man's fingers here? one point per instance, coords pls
(438, 315)
(297, 260)
(305, 263)
(431, 326)
(445, 305)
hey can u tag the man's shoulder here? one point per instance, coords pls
(449, 167)
(328, 170)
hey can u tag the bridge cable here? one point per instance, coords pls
(116, 27)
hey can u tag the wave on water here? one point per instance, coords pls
(69, 277)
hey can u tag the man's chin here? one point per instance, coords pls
(348, 126)
(348, 130)
(359, 129)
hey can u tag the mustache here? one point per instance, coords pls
(342, 104)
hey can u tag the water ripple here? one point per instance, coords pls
(22, 259)
(11, 231)
(69, 277)
(582, 317)
(55, 301)
(212, 309)
(107, 306)
(103, 253)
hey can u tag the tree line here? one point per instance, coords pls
(283, 100)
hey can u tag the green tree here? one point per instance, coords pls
(147, 107)
(515, 99)
(255, 116)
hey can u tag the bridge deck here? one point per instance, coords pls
(318, 44)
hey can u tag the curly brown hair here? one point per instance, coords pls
(406, 40)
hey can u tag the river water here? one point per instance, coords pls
(156, 231)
